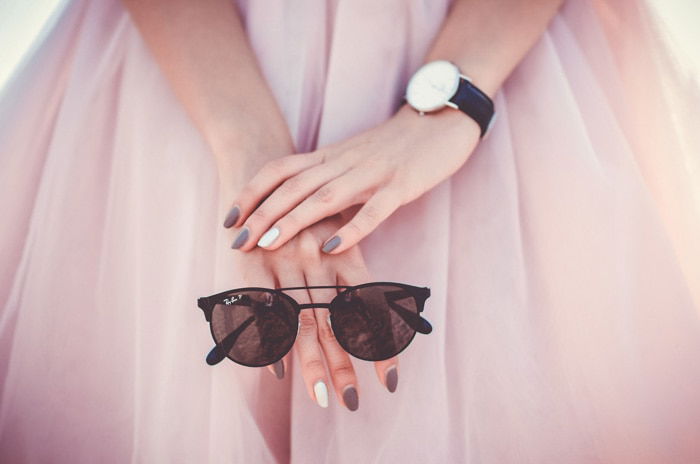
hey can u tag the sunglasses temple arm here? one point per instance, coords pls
(415, 321)
(218, 353)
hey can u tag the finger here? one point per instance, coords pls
(388, 372)
(340, 366)
(282, 200)
(337, 195)
(272, 174)
(307, 347)
(278, 369)
(353, 270)
(371, 214)
(259, 275)
(356, 273)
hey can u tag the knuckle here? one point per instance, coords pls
(342, 370)
(283, 256)
(377, 165)
(323, 156)
(370, 214)
(259, 215)
(392, 201)
(395, 193)
(325, 194)
(291, 185)
(288, 160)
(313, 364)
(362, 196)
(325, 334)
(360, 269)
(273, 167)
(246, 192)
(308, 247)
(354, 228)
(307, 324)
(398, 189)
(289, 222)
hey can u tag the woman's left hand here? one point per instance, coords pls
(381, 169)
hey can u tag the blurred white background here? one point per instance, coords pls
(21, 22)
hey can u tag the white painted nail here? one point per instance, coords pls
(321, 393)
(269, 237)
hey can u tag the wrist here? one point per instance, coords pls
(446, 123)
(248, 133)
(241, 146)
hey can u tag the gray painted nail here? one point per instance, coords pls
(331, 244)
(350, 398)
(279, 369)
(232, 216)
(242, 237)
(392, 378)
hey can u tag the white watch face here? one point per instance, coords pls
(432, 85)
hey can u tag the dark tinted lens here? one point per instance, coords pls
(254, 328)
(374, 322)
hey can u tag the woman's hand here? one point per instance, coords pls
(382, 169)
(300, 263)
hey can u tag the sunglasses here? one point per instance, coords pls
(256, 326)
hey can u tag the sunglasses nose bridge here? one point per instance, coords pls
(315, 305)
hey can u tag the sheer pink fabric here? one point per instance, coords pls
(563, 257)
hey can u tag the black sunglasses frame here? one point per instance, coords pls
(414, 320)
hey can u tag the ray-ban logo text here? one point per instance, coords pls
(233, 299)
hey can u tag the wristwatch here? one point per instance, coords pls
(439, 83)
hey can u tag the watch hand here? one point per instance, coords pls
(439, 88)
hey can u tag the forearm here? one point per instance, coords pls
(203, 51)
(486, 39)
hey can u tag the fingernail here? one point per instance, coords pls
(232, 216)
(331, 244)
(279, 369)
(392, 378)
(321, 393)
(242, 237)
(269, 237)
(350, 398)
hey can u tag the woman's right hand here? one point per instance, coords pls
(298, 263)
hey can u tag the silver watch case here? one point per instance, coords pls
(433, 85)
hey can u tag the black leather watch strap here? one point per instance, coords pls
(474, 103)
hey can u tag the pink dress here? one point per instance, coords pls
(563, 257)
